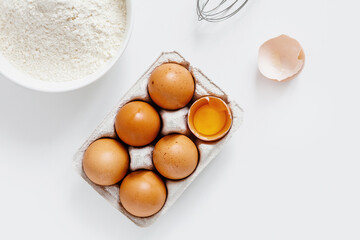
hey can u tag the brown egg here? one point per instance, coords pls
(171, 86)
(175, 156)
(142, 193)
(106, 161)
(137, 123)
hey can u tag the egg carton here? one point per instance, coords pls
(172, 122)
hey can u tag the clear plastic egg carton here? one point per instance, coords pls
(172, 122)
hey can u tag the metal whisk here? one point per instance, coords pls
(211, 11)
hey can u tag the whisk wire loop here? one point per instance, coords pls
(218, 13)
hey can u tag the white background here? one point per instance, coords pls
(290, 172)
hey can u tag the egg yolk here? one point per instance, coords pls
(209, 120)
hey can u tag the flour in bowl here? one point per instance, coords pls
(61, 40)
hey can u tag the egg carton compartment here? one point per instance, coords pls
(172, 122)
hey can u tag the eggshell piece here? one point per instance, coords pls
(281, 58)
(209, 118)
(171, 86)
(175, 156)
(137, 123)
(142, 193)
(106, 162)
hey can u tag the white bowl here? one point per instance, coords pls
(22, 79)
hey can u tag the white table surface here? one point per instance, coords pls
(290, 172)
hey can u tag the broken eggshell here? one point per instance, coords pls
(281, 58)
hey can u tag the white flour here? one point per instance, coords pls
(61, 40)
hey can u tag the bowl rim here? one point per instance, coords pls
(24, 80)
